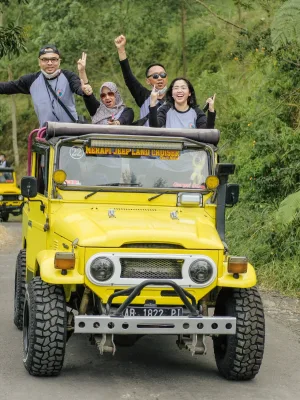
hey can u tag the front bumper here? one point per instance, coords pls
(117, 323)
(107, 324)
(15, 209)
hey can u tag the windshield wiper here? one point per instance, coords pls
(158, 195)
(110, 184)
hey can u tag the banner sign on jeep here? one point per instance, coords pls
(110, 151)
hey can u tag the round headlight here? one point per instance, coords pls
(20, 197)
(201, 271)
(1, 197)
(102, 269)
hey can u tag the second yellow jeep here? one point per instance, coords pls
(11, 200)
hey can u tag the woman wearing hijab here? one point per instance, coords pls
(110, 110)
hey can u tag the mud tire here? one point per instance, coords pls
(44, 328)
(4, 217)
(20, 289)
(239, 356)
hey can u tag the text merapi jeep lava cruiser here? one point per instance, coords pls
(123, 237)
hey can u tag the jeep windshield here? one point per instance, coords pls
(141, 167)
(6, 177)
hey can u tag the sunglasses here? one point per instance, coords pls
(156, 76)
(109, 94)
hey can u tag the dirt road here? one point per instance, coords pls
(153, 369)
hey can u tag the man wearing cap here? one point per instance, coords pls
(52, 89)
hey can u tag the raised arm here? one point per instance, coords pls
(158, 118)
(209, 122)
(120, 43)
(74, 82)
(81, 65)
(91, 103)
(137, 90)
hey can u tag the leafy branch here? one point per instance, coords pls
(12, 40)
(221, 18)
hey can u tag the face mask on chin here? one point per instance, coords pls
(162, 91)
(51, 76)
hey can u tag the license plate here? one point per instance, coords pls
(153, 312)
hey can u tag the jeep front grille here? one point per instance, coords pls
(10, 197)
(151, 268)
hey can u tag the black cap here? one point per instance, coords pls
(49, 48)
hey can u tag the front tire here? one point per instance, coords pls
(239, 356)
(5, 217)
(44, 328)
(20, 281)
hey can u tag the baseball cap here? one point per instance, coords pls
(49, 48)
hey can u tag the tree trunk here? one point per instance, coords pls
(14, 121)
(183, 21)
(239, 10)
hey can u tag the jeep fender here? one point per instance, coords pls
(49, 274)
(243, 281)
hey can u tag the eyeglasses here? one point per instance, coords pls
(46, 60)
(109, 94)
(156, 76)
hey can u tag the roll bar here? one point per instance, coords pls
(54, 129)
(7, 169)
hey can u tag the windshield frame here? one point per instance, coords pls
(8, 170)
(84, 140)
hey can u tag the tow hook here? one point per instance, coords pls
(105, 343)
(194, 343)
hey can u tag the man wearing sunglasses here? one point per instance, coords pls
(52, 89)
(155, 76)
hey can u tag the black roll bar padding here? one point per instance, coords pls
(6, 169)
(135, 291)
(54, 129)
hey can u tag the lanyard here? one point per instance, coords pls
(52, 99)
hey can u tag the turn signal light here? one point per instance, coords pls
(64, 261)
(212, 182)
(59, 176)
(237, 265)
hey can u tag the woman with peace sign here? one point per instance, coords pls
(110, 110)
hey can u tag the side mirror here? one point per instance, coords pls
(232, 194)
(224, 169)
(29, 186)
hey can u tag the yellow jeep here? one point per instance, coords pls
(124, 237)
(11, 200)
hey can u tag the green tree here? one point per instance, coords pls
(12, 43)
(285, 28)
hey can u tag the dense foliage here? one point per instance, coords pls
(245, 51)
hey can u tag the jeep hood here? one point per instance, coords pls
(94, 227)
